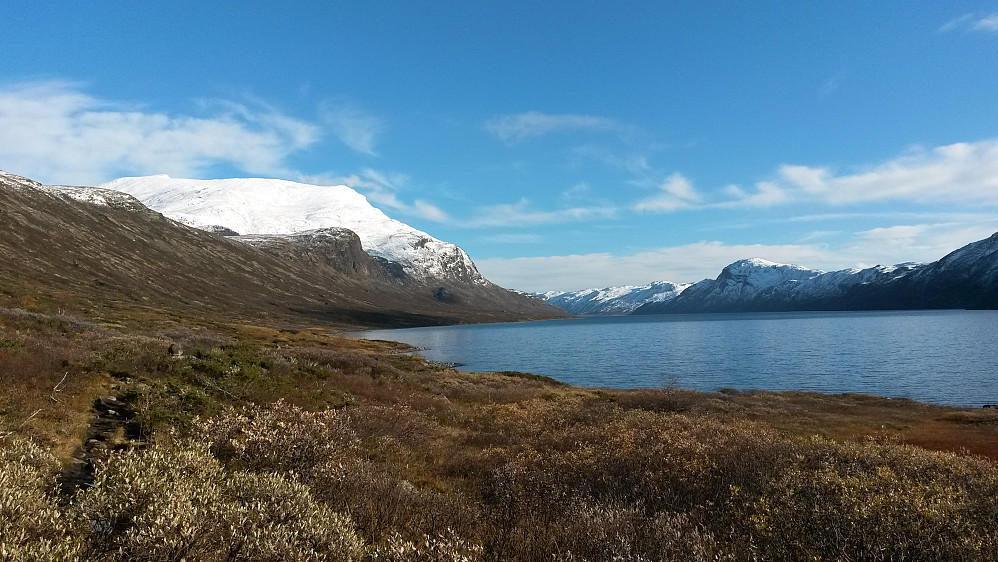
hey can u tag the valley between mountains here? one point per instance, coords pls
(175, 387)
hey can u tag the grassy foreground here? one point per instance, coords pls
(268, 444)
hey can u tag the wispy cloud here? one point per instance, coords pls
(832, 84)
(915, 242)
(55, 132)
(675, 193)
(972, 22)
(520, 214)
(706, 259)
(690, 262)
(962, 172)
(629, 161)
(765, 194)
(516, 128)
(956, 174)
(354, 127)
(382, 188)
(513, 238)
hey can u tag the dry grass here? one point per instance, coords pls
(407, 460)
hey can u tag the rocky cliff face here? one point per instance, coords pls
(333, 249)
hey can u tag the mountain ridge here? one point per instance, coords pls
(964, 278)
(613, 300)
(259, 206)
(88, 248)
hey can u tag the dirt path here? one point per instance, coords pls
(113, 428)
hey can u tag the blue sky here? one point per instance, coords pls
(564, 145)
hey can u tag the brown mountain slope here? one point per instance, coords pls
(120, 254)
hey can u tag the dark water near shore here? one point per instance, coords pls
(944, 357)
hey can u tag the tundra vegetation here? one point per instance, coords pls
(291, 443)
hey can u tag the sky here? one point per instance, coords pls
(563, 145)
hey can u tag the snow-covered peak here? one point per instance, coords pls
(16, 180)
(97, 196)
(614, 300)
(270, 206)
(760, 273)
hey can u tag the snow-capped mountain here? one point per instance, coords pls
(965, 278)
(257, 206)
(760, 285)
(97, 247)
(613, 300)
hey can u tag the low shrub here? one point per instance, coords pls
(280, 437)
(178, 502)
(32, 524)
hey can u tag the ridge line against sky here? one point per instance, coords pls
(622, 146)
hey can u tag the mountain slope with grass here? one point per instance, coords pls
(99, 248)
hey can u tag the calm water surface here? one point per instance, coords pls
(946, 357)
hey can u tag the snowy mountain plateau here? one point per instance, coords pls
(255, 206)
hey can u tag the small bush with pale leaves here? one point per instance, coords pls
(179, 502)
(279, 437)
(32, 527)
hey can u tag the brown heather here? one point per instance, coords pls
(263, 444)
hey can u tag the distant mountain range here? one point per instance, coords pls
(349, 264)
(614, 300)
(965, 278)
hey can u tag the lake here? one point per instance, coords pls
(944, 357)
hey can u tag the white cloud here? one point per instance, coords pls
(56, 133)
(429, 211)
(918, 242)
(701, 260)
(354, 127)
(766, 194)
(962, 172)
(381, 189)
(986, 23)
(691, 262)
(676, 193)
(522, 126)
(519, 214)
